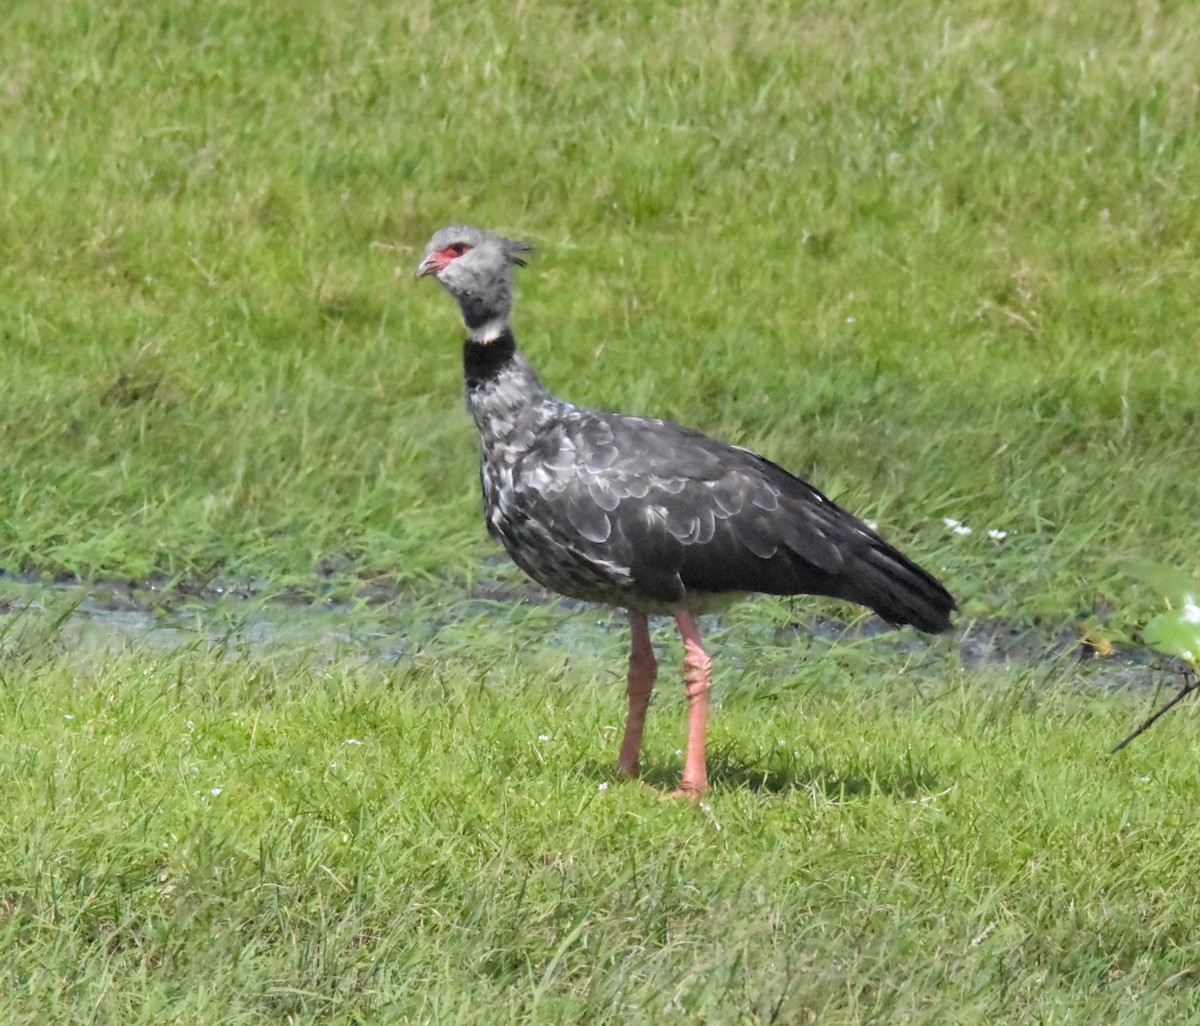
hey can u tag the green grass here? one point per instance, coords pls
(939, 258)
(198, 838)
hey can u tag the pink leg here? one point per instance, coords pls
(697, 679)
(642, 670)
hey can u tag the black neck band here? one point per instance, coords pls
(482, 361)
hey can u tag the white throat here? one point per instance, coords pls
(490, 330)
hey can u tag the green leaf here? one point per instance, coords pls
(1176, 632)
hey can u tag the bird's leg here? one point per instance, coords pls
(642, 670)
(697, 679)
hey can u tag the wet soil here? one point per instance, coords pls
(377, 620)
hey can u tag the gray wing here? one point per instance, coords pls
(676, 511)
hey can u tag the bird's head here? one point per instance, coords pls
(475, 267)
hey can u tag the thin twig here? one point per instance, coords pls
(787, 982)
(1189, 685)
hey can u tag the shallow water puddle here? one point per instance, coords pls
(385, 627)
(104, 617)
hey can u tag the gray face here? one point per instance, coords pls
(475, 267)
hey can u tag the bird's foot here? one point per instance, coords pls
(628, 772)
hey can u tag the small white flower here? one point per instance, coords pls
(1190, 612)
(996, 535)
(215, 791)
(603, 785)
(68, 716)
(849, 320)
(352, 741)
(543, 737)
(957, 526)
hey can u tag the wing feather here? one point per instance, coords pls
(674, 511)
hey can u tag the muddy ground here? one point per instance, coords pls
(164, 614)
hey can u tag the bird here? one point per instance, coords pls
(644, 514)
